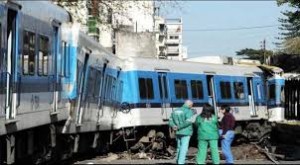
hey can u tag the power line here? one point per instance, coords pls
(231, 29)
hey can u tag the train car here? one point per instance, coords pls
(125, 96)
(153, 88)
(62, 93)
(30, 78)
(93, 86)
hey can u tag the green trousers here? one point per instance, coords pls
(202, 151)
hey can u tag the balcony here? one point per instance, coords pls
(162, 55)
(92, 21)
(172, 50)
(92, 26)
(162, 33)
(94, 30)
(162, 47)
(172, 41)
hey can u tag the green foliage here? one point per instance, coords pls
(254, 54)
(292, 46)
(290, 26)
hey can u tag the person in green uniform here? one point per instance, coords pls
(181, 121)
(207, 127)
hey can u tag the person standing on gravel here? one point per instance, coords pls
(227, 133)
(207, 127)
(181, 121)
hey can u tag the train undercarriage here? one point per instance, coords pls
(46, 145)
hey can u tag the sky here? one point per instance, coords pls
(212, 17)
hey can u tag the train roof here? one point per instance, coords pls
(44, 10)
(71, 34)
(151, 64)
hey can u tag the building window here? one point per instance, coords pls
(161, 27)
(28, 53)
(239, 90)
(181, 89)
(43, 55)
(225, 90)
(173, 37)
(146, 88)
(109, 16)
(197, 89)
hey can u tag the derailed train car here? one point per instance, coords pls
(63, 93)
(129, 97)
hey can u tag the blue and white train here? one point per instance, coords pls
(115, 94)
(62, 93)
(31, 88)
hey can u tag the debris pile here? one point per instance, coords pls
(247, 151)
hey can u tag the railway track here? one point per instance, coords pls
(242, 153)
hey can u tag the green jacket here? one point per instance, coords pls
(207, 129)
(181, 117)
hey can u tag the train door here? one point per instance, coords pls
(55, 77)
(81, 90)
(11, 60)
(2, 69)
(101, 91)
(164, 94)
(211, 92)
(252, 106)
(64, 73)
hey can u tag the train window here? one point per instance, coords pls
(91, 82)
(113, 89)
(181, 89)
(78, 73)
(239, 90)
(1, 56)
(108, 87)
(225, 90)
(197, 89)
(282, 98)
(272, 88)
(120, 91)
(163, 89)
(43, 56)
(97, 83)
(63, 59)
(28, 53)
(258, 91)
(146, 88)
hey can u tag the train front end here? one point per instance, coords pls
(275, 102)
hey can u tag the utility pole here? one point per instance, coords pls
(263, 47)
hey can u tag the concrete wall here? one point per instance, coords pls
(130, 44)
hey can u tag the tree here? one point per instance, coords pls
(292, 46)
(254, 54)
(101, 9)
(290, 27)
